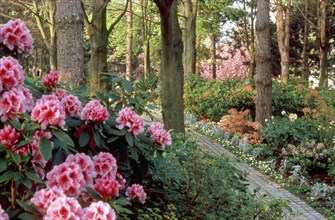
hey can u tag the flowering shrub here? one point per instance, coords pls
(47, 135)
(15, 36)
(159, 135)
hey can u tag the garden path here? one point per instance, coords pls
(302, 211)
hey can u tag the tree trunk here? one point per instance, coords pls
(283, 37)
(324, 43)
(146, 60)
(49, 41)
(69, 26)
(305, 70)
(171, 70)
(189, 36)
(129, 55)
(263, 61)
(52, 30)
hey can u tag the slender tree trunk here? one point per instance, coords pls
(324, 44)
(146, 33)
(214, 56)
(263, 61)
(171, 70)
(305, 70)
(129, 55)
(189, 36)
(49, 41)
(69, 26)
(52, 30)
(283, 36)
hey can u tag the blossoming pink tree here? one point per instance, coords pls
(66, 158)
(230, 64)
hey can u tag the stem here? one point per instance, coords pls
(13, 193)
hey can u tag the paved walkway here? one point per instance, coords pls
(256, 179)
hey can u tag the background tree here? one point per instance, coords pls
(263, 62)
(98, 32)
(171, 69)
(283, 18)
(190, 11)
(70, 54)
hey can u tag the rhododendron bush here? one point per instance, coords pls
(66, 158)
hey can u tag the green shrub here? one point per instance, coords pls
(290, 98)
(212, 99)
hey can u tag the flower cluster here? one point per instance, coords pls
(159, 135)
(129, 119)
(51, 79)
(11, 73)
(293, 117)
(48, 111)
(15, 102)
(66, 184)
(95, 112)
(16, 36)
(9, 136)
(71, 105)
(136, 192)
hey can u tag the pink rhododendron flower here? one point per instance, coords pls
(16, 36)
(64, 208)
(9, 136)
(50, 79)
(136, 192)
(86, 165)
(129, 119)
(44, 197)
(94, 111)
(99, 211)
(60, 94)
(159, 135)
(68, 177)
(107, 186)
(48, 111)
(105, 164)
(3, 214)
(71, 105)
(14, 102)
(11, 73)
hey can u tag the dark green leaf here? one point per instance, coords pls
(33, 177)
(16, 124)
(112, 139)
(3, 165)
(62, 136)
(45, 147)
(16, 158)
(122, 201)
(97, 138)
(23, 143)
(6, 176)
(84, 138)
(27, 207)
(32, 126)
(27, 216)
(117, 132)
(93, 193)
(130, 139)
(72, 122)
(126, 84)
(27, 182)
(133, 153)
